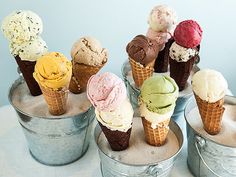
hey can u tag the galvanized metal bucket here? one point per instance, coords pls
(55, 141)
(111, 167)
(133, 92)
(205, 156)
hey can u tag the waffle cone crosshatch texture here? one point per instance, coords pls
(141, 73)
(156, 137)
(56, 100)
(211, 114)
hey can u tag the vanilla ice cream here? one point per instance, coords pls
(119, 119)
(209, 85)
(155, 118)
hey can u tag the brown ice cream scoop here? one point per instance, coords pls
(142, 49)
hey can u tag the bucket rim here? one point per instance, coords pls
(98, 131)
(20, 80)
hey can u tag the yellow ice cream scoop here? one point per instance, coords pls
(53, 70)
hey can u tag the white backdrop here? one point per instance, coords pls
(115, 23)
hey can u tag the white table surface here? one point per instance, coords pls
(16, 161)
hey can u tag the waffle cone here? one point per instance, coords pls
(80, 76)
(211, 114)
(27, 70)
(118, 140)
(56, 100)
(157, 136)
(180, 71)
(162, 61)
(141, 73)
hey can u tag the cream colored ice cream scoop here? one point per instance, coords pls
(29, 50)
(209, 85)
(162, 19)
(21, 26)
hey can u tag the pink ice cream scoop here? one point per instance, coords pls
(188, 34)
(106, 91)
(160, 37)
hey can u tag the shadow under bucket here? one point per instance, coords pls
(53, 140)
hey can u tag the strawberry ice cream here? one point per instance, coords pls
(188, 34)
(106, 91)
(113, 109)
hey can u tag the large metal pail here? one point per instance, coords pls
(54, 141)
(112, 166)
(207, 156)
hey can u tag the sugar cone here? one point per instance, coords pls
(27, 70)
(56, 100)
(141, 73)
(118, 140)
(211, 114)
(157, 136)
(80, 76)
(180, 71)
(162, 61)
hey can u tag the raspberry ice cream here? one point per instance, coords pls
(188, 34)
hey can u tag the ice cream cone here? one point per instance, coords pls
(141, 73)
(118, 140)
(162, 61)
(80, 76)
(27, 69)
(56, 100)
(180, 71)
(156, 137)
(211, 114)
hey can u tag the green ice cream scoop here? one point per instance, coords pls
(159, 93)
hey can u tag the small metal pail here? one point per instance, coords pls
(133, 92)
(55, 141)
(111, 167)
(205, 156)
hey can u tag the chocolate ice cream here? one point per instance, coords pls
(142, 49)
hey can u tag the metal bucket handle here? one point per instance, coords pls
(199, 141)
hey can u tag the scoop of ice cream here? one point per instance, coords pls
(29, 50)
(159, 94)
(209, 85)
(21, 26)
(188, 34)
(142, 49)
(118, 119)
(155, 118)
(53, 70)
(160, 37)
(181, 54)
(89, 51)
(106, 91)
(162, 19)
